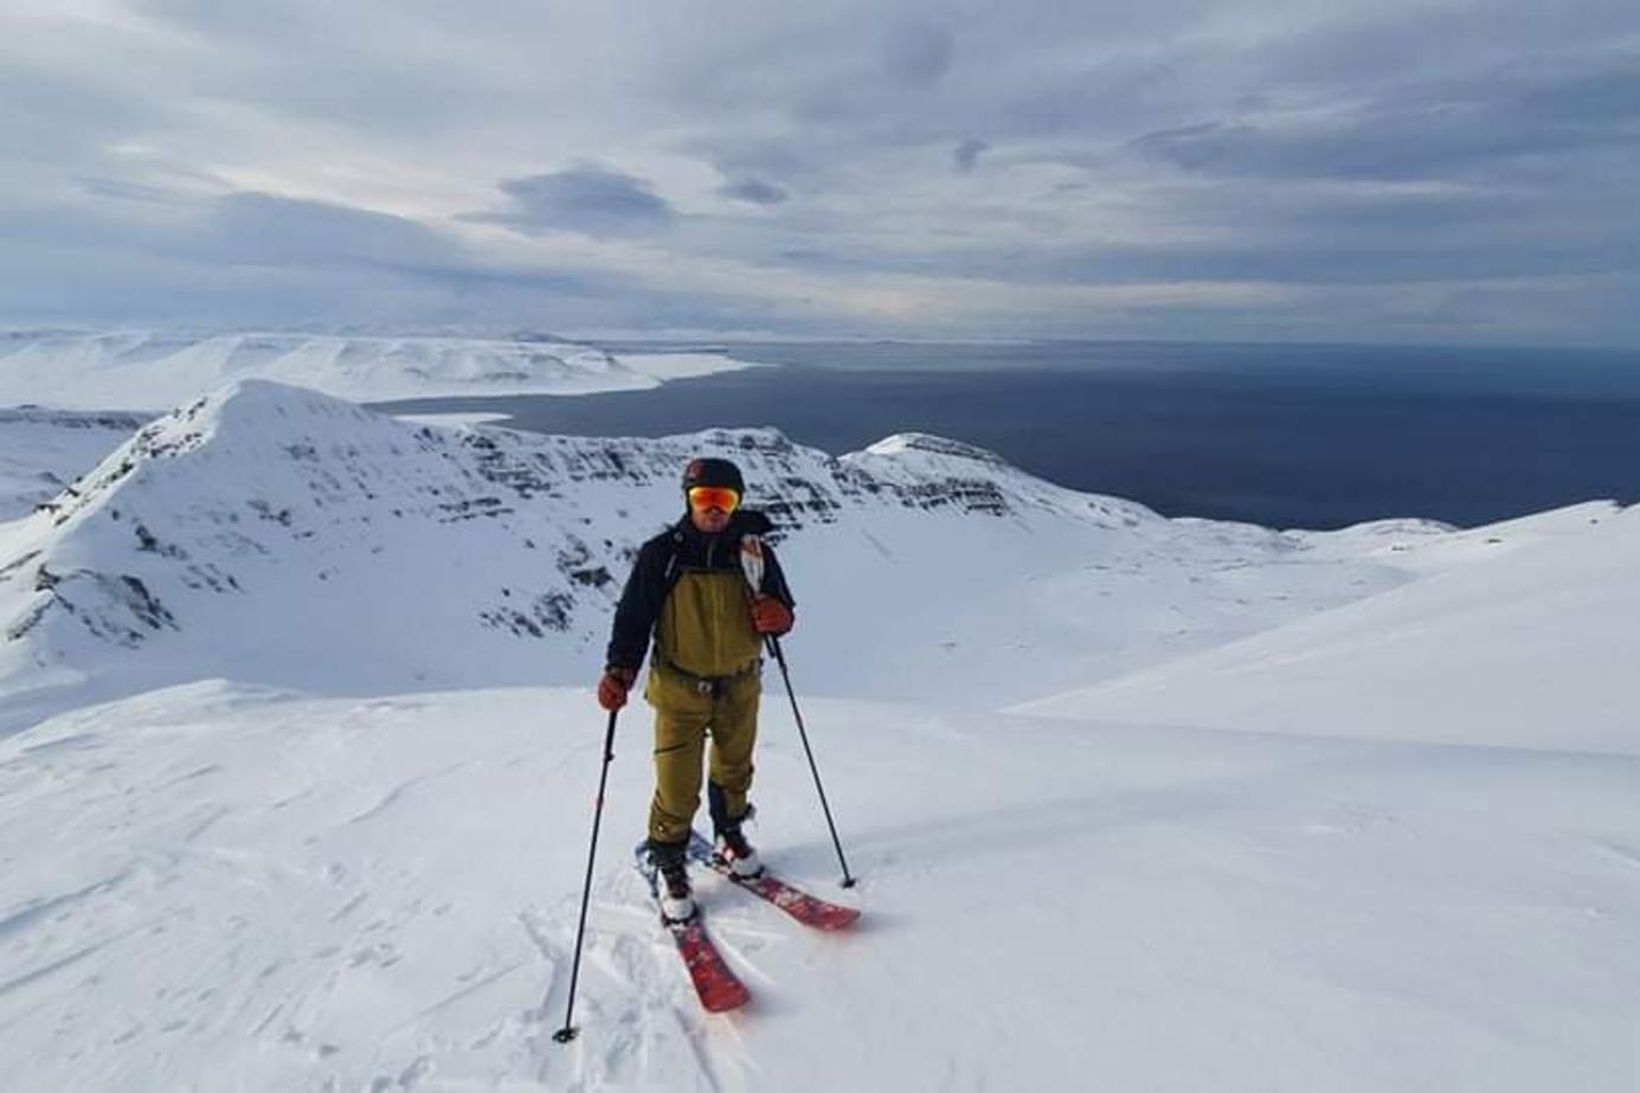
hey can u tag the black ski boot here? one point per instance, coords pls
(672, 891)
(728, 840)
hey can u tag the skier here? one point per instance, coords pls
(688, 593)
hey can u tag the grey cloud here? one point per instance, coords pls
(1367, 48)
(1376, 147)
(249, 231)
(1247, 231)
(1100, 99)
(918, 54)
(287, 24)
(63, 117)
(1426, 130)
(783, 163)
(256, 259)
(1583, 94)
(368, 63)
(136, 289)
(967, 154)
(870, 75)
(754, 191)
(591, 200)
(262, 228)
(125, 190)
(1231, 147)
(1381, 146)
(259, 229)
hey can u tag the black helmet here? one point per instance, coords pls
(713, 472)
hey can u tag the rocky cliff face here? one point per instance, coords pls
(262, 500)
(277, 534)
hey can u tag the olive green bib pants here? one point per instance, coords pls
(704, 680)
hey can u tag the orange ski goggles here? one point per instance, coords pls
(713, 497)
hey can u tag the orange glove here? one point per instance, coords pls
(770, 616)
(613, 686)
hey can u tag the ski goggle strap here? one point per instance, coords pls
(714, 497)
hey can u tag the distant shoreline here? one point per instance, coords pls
(1278, 437)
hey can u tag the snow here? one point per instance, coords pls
(1533, 647)
(678, 366)
(42, 450)
(215, 887)
(1136, 803)
(280, 536)
(454, 419)
(142, 369)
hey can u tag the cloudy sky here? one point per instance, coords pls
(1281, 169)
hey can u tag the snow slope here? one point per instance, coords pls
(155, 370)
(41, 451)
(1354, 847)
(217, 888)
(1533, 647)
(277, 535)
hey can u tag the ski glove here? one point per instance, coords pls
(613, 686)
(770, 616)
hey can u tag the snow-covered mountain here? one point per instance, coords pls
(41, 451)
(150, 370)
(280, 535)
(289, 801)
(1497, 652)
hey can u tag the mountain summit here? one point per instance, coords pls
(277, 534)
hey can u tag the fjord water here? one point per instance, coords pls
(1281, 435)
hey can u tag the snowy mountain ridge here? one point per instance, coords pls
(42, 450)
(1549, 619)
(312, 542)
(144, 369)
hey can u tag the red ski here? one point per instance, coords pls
(718, 988)
(809, 910)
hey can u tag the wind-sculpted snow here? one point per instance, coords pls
(278, 534)
(149, 369)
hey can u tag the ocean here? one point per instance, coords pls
(1281, 435)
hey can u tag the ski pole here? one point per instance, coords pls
(752, 565)
(567, 1033)
(780, 658)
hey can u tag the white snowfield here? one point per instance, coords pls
(1533, 648)
(1346, 811)
(155, 370)
(41, 451)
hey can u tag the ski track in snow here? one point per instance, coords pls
(1232, 895)
(297, 981)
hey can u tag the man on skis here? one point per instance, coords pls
(689, 596)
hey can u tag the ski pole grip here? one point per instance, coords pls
(751, 562)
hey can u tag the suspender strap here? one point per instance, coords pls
(707, 685)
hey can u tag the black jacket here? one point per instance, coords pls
(663, 558)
